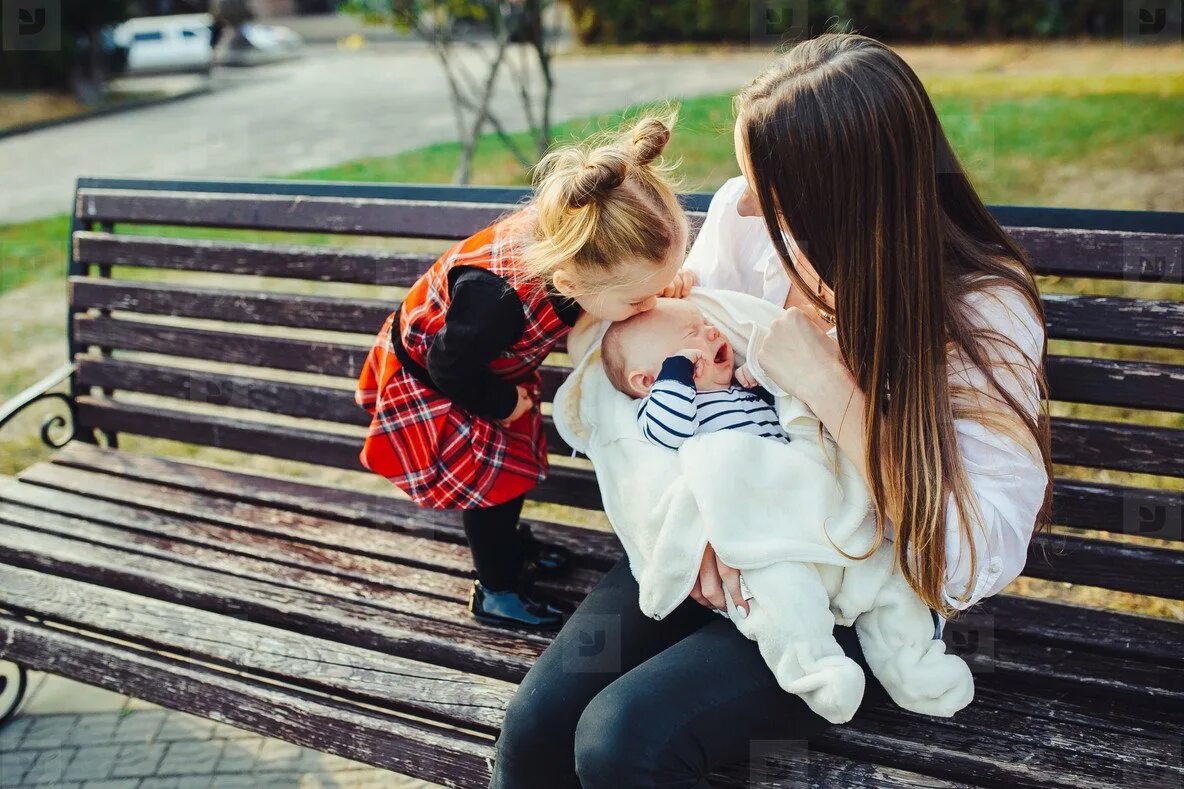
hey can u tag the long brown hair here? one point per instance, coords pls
(847, 155)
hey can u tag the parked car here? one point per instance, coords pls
(180, 42)
(184, 42)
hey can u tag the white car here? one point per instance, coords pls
(167, 43)
(181, 42)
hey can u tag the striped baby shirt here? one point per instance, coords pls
(673, 411)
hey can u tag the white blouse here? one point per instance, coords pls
(734, 252)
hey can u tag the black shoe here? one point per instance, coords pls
(543, 559)
(518, 607)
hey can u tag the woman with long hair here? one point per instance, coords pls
(914, 331)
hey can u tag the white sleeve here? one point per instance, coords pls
(1007, 478)
(713, 255)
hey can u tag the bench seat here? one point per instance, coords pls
(335, 619)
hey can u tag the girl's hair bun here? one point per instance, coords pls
(604, 170)
(650, 137)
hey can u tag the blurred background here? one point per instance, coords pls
(1048, 102)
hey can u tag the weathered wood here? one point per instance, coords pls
(1125, 447)
(332, 313)
(999, 748)
(1115, 320)
(325, 403)
(289, 261)
(156, 518)
(303, 213)
(1112, 382)
(1135, 257)
(445, 756)
(450, 696)
(596, 548)
(1108, 565)
(452, 641)
(280, 353)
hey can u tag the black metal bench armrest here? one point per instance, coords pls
(40, 391)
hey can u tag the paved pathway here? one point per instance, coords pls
(329, 107)
(70, 736)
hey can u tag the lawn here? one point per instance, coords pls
(1025, 139)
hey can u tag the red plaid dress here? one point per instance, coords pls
(442, 456)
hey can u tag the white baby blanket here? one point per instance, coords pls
(781, 514)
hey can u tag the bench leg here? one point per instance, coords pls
(14, 680)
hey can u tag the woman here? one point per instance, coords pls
(934, 389)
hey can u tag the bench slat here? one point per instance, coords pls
(1112, 382)
(1092, 318)
(1147, 257)
(454, 697)
(303, 213)
(1135, 257)
(447, 756)
(321, 356)
(1125, 447)
(288, 261)
(1115, 320)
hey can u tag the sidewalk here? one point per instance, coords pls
(74, 736)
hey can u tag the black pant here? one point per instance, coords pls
(619, 700)
(493, 538)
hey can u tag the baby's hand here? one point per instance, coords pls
(524, 405)
(745, 377)
(681, 286)
(697, 357)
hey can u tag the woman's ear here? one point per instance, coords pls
(640, 382)
(564, 283)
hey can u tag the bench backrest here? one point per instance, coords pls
(225, 344)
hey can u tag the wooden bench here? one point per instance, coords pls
(334, 617)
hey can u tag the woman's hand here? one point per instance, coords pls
(525, 403)
(680, 286)
(714, 576)
(798, 356)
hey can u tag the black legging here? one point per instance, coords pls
(619, 700)
(492, 533)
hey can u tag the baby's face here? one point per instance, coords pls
(676, 325)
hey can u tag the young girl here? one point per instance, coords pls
(454, 390)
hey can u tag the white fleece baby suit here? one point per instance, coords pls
(777, 512)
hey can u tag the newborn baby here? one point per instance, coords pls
(685, 373)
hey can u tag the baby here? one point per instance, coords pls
(685, 373)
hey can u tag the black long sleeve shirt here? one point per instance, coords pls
(485, 317)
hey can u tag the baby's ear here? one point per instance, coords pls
(640, 382)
